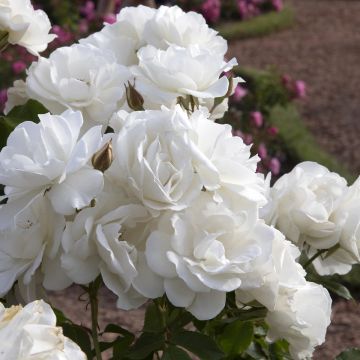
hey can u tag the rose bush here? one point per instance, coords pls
(130, 184)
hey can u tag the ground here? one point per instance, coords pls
(323, 49)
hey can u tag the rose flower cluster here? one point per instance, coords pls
(130, 178)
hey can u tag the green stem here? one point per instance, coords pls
(4, 36)
(315, 256)
(94, 305)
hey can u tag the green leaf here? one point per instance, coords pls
(116, 329)
(331, 285)
(199, 344)
(121, 347)
(154, 319)
(279, 350)
(236, 337)
(19, 114)
(349, 354)
(145, 345)
(61, 317)
(175, 353)
(80, 336)
(27, 112)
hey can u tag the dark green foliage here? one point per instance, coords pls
(258, 26)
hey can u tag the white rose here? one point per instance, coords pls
(301, 316)
(125, 36)
(115, 38)
(133, 20)
(226, 165)
(109, 239)
(154, 159)
(281, 270)
(25, 26)
(30, 245)
(79, 77)
(303, 202)
(16, 96)
(347, 217)
(49, 158)
(173, 26)
(164, 75)
(208, 250)
(31, 333)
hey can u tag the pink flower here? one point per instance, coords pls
(239, 93)
(211, 10)
(237, 133)
(83, 26)
(256, 119)
(272, 130)
(248, 139)
(110, 18)
(277, 4)
(18, 67)
(262, 151)
(63, 35)
(300, 89)
(275, 166)
(88, 10)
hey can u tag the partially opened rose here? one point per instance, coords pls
(79, 77)
(24, 25)
(52, 159)
(31, 333)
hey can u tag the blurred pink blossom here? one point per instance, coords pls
(18, 67)
(275, 166)
(300, 89)
(248, 139)
(256, 119)
(110, 18)
(211, 10)
(83, 26)
(63, 35)
(272, 130)
(88, 10)
(238, 133)
(239, 93)
(277, 4)
(262, 151)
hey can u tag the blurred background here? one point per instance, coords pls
(300, 61)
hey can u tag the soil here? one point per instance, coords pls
(323, 49)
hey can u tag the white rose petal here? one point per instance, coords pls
(26, 27)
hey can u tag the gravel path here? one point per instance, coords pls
(323, 48)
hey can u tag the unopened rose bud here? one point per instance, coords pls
(102, 159)
(134, 98)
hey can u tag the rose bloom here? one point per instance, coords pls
(79, 77)
(173, 26)
(207, 250)
(31, 333)
(25, 26)
(164, 75)
(30, 249)
(286, 294)
(50, 158)
(303, 201)
(109, 239)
